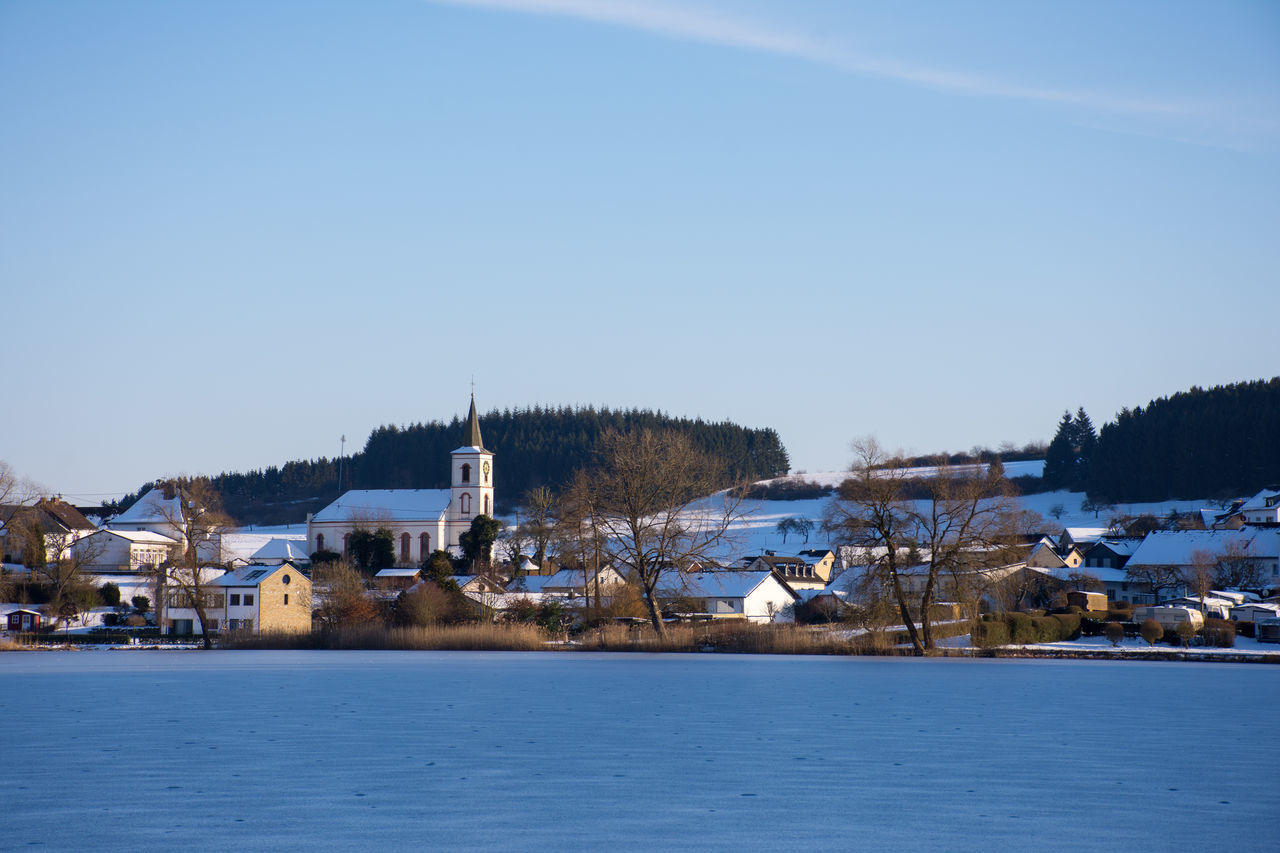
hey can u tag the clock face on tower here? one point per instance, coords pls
(486, 472)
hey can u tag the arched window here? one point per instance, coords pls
(346, 545)
(486, 505)
(466, 472)
(319, 541)
(404, 547)
(464, 503)
(424, 546)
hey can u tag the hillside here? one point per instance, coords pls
(538, 446)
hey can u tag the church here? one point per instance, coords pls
(422, 520)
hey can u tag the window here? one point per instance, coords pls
(234, 624)
(346, 545)
(248, 600)
(235, 599)
(213, 624)
(424, 546)
(286, 599)
(404, 547)
(486, 505)
(464, 504)
(466, 472)
(319, 541)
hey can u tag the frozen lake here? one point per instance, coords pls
(482, 751)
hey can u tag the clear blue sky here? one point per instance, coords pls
(231, 232)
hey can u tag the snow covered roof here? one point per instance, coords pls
(716, 584)
(1264, 499)
(397, 573)
(1086, 534)
(252, 575)
(151, 508)
(142, 537)
(286, 550)
(529, 583)
(387, 504)
(1177, 547)
(1119, 547)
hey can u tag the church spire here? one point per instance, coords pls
(473, 426)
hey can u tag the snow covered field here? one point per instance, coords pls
(482, 751)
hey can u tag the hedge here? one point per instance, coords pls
(1048, 629)
(989, 633)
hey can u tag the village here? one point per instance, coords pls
(1203, 578)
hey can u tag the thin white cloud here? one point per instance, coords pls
(707, 26)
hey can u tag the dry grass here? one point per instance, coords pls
(726, 636)
(10, 646)
(474, 636)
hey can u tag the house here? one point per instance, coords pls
(578, 583)
(123, 551)
(757, 596)
(806, 570)
(1110, 553)
(421, 520)
(278, 550)
(254, 598)
(24, 620)
(1177, 552)
(59, 524)
(396, 579)
(1087, 600)
(1261, 509)
(1044, 556)
(160, 510)
(1082, 537)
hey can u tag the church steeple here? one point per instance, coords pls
(473, 426)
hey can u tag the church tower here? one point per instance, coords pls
(471, 491)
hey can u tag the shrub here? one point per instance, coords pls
(110, 594)
(988, 634)
(1114, 633)
(1151, 631)
(1070, 625)
(1185, 631)
(1048, 629)
(1021, 629)
(140, 603)
(110, 619)
(1220, 633)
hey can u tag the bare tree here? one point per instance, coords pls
(342, 597)
(963, 524)
(650, 497)
(541, 507)
(196, 519)
(1236, 567)
(785, 526)
(1199, 576)
(64, 572)
(1156, 578)
(803, 526)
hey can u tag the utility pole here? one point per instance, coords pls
(342, 445)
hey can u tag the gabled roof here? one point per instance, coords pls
(1178, 547)
(70, 517)
(151, 508)
(141, 537)
(387, 505)
(288, 550)
(406, 572)
(252, 575)
(1264, 499)
(717, 584)
(1119, 547)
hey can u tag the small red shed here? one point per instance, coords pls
(24, 620)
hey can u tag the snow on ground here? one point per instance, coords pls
(570, 751)
(757, 530)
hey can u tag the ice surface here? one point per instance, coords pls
(565, 751)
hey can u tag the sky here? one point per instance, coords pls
(231, 233)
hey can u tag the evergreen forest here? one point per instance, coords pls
(532, 447)
(1217, 443)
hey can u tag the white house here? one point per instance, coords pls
(421, 520)
(253, 598)
(1262, 508)
(754, 596)
(123, 550)
(161, 512)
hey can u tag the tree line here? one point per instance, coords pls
(534, 447)
(1218, 443)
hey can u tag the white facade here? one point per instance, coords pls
(420, 520)
(123, 550)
